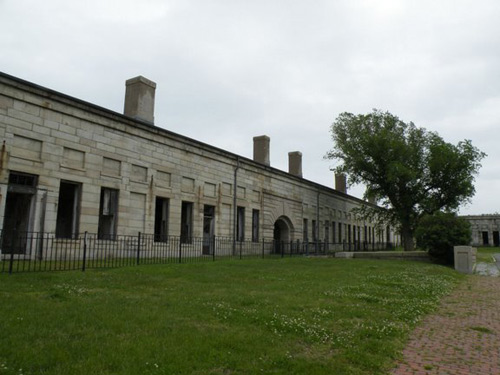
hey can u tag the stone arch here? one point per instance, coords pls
(283, 229)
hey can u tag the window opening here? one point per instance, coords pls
(240, 224)
(161, 219)
(255, 225)
(108, 214)
(68, 210)
(186, 222)
(208, 228)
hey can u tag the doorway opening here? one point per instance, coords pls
(208, 229)
(496, 238)
(485, 238)
(281, 235)
(19, 213)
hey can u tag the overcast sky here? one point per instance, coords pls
(229, 70)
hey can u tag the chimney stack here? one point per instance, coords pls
(261, 149)
(341, 183)
(370, 198)
(295, 163)
(140, 99)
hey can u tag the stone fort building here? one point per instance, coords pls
(68, 167)
(485, 229)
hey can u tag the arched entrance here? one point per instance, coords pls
(282, 231)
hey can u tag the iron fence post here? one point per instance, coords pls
(84, 251)
(213, 248)
(11, 262)
(180, 251)
(138, 247)
(13, 241)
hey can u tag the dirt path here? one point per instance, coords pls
(461, 337)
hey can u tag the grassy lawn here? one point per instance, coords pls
(287, 316)
(485, 254)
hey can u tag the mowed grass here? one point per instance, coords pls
(287, 316)
(485, 254)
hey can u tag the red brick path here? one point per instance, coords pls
(461, 337)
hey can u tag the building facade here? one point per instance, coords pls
(485, 229)
(68, 167)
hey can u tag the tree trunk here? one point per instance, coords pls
(407, 238)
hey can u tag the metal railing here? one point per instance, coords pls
(30, 252)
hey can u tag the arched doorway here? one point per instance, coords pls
(282, 231)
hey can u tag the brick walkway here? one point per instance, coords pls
(461, 337)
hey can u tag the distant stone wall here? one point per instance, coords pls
(485, 229)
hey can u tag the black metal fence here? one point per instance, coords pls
(28, 252)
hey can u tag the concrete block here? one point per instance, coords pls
(6, 102)
(28, 117)
(465, 258)
(27, 108)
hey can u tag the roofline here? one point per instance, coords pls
(71, 100)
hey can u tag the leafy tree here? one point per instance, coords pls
(438, 233)
(409, 170)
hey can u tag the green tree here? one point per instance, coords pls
(438, 233)
(409, 170)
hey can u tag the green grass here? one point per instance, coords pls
(289, 316)
(485, 254)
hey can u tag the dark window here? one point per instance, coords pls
(240, 224)
(186, 222)
(485, 238)
(314, 230)
(68, 210)
(255, 225)
(340, 232)
(305, 231)
(327, 231)
(161, 219)
(333, 232)
(208, 229)
(18, 213)
(108, 214)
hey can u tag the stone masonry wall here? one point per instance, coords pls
(59, 138)
(485, 229)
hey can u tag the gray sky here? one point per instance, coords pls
(229, 70)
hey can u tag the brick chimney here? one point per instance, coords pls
(295, 163)
(140, 99)
(261, 149)
(341, 183)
